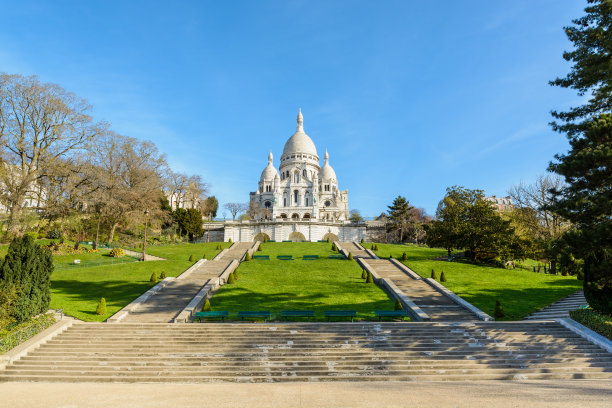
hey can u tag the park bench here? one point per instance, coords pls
(270, 240)
(310, 257)
(336, 256)
(207, 315)
(297, 313)
(390, 313)
(322, 240)
(287, 240)
(340, 313)
(285, 257)
(266, 314)
(265, 257)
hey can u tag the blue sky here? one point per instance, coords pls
(409, 97)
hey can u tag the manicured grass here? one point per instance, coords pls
(78, 289)
(520, 292)
(323, 284)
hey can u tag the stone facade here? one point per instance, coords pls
(289, 230)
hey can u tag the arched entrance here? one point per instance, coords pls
(283, 216)
(261, 237)
(307, 216)
(297, 237)
(331, 237)
(295, 216)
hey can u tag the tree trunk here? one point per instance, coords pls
(111, 234)
(95, 245)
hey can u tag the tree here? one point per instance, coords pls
(355, 216)
(190, 222)
(41, 125)
(210, 207)
(236, 208)
(586, 201)
(400, 216)
(27, 267)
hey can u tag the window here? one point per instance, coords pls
(327, 203)
(297, 177)
(304, 173)
(327, 187)
(268, 204)
(306, 200)
(284, 201)
(295, 197)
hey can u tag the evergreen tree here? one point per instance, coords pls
(400, 216)
(587, 199)
(28, 268)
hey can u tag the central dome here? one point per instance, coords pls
(300, 142)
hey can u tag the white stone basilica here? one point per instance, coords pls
(299, 201)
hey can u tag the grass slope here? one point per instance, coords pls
(324, 284)
(520, 292)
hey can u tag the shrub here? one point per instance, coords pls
(229, 240)
(163, 275)
(153, 278)
(204, 256)
(206, 307)
(404, 257)
(390, 256)
(499, 310)
(442, 277)
(8, 295)
(54, 234)
(235, 274)
(247, 257)
(362, 240)
(334, 247)
(116, 253)
(580, 275)
(398, 305)
(364, 274)
(369, 279)
(434, 275)
(191, 258)
(594, 321)
(328, 240)
(231, 279)
(28, 268)
(101, 309)
(350, 257)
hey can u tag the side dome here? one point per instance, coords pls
(270, 172)
(300, 142)
(327, 172)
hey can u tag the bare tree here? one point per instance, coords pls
(235, 208)
(40, 125)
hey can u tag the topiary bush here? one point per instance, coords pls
(206, 307)
(235, 274)
(350, 256)
(101, 309)
(259, 248)
(163, 275)
(247, 257)
(204, 256)
(442, 277)
(404, 257)
(191, 258)
(231, 279)
(434, 275)
(229, 240)
(362, 240)
(153, 278)
(498, 313)
(116, 253)
(328, 240)
(369, 279)
(364, 274)
(398, 305)
(333, 248)
(27, 268)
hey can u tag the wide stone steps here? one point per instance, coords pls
(312, 352)
(561, 308)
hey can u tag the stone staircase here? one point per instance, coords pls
(99, 352)
(438, 306)
(166, 304)
(561, 308)
(355, 249)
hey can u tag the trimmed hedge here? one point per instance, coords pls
(594, 321)
(19, 333)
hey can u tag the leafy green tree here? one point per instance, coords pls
(587, 199)
(355, 216)
(400, 216)
(28, 268)
(189, 222)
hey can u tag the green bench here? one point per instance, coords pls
(285, 257)
(336, 256)
(297, 313)
(266, 257)
(255, 314)
(287, 240)
(310, 257)
(270, 240)
(340, 313)
(322, 240)
(390, 313)
(207, 315)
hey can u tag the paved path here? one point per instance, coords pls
(438, 306)
(357, 250)
(561, 308)
(494, 394)
(166, 304)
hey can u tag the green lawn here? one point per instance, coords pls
(520, 292)
(77, 289)
(323, 284)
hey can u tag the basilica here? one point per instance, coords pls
(298, 201)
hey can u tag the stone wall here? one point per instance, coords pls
(293, 230)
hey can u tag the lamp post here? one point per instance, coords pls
(144, 243)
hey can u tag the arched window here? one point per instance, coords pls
(296, 177)
(295, 197)
(304, 173)
(268, 204)
(284, 201)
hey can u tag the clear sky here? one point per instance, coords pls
(409, 97)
